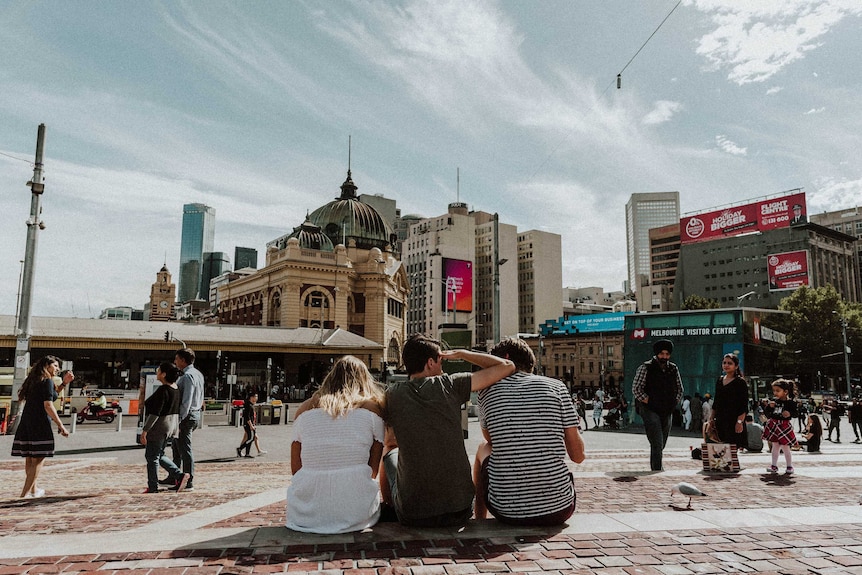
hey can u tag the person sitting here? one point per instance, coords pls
(335, 453)
(813, 433)
(98, 404)
(754, 432)
(530, 425)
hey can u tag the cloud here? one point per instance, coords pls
(774, 90)
(814, 111)
(830, 194)
(756, 40)
(662, 112)
(731, 148)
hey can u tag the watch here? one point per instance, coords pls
(739, 420)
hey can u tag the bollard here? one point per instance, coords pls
(74, 421)
(119, 422)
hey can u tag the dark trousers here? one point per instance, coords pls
(249, 433)
(834, 423)
(182, 444)
(657, 428)
(155, 455)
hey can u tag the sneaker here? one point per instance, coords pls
(148, 490)
(167, 481)
(181, 484)
(249, 455)
(239, 451)
(837, 441)
(39, 493)
(772, 469)
(788, 471)
(263, 452)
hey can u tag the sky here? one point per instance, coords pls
(248, 107)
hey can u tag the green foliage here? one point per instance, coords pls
(695, 301)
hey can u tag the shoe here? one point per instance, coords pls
(189, 487)
(772, 469)
(788, 471)
(182, 483)
(263, 452)
(837, 441)
(858, 440)
(239, 451)
(167, 481)
(148, 490)
(249, 455)
(39, 493)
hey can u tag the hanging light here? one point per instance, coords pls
(619, 81)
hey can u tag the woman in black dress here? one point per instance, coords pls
(730, 406)
(34, 439)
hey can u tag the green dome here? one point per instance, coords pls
(347, 218)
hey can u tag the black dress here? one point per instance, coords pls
(34, 437)
(730, 401)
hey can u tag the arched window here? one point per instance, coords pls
(315, 309)
(274, 310)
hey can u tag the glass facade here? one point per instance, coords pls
(644, 212)
(198, 237)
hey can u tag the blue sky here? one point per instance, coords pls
(247, 107)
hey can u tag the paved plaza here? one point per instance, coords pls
(94, 517)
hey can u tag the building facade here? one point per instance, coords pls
(214, 264)
(198, 236)
(585, 362)
(244, 258)
(664, 245)
(645, 211)
(737, 268)
(848, 221)
(540, 266)
(163, 297)
(496, 273)
(336, 270)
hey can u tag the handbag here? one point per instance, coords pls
(719, 457)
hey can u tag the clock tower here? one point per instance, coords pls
(163, 296)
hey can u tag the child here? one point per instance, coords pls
(779, 429)
(598, 405)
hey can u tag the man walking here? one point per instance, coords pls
(657, 389)
(425, 473)
(191, 390)
(530, 425)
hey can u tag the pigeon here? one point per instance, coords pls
(687, 489)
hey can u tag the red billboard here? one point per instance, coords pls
(459, 284)
(788, 270)
(759, 216)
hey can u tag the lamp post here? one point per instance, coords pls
(739, 299)
(846, 351)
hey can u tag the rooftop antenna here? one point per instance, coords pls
(458, 185)
(349, 151)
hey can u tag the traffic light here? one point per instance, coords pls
(167, 336)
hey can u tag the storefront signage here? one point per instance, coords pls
(684, 332)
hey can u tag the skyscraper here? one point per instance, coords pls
(644, 212)
(214, 264)
(198, 237)
(244, 258)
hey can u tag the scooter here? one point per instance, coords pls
(93, 413)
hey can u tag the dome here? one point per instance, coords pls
(311, 237)
(347, 218)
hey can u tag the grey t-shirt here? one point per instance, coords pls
(433, 470)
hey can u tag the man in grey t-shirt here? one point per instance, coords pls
(425, 474)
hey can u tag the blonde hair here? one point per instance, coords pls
(347, 386)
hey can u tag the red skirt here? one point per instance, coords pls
(779, 431)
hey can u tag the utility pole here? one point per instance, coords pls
(496, 331)
(34, 225)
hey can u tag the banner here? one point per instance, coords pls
(788, 270)
(458, 276)
(781, 212)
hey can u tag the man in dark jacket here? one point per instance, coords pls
(657, 389)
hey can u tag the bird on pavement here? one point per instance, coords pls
(688, 490)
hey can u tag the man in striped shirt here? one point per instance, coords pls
(530, 425)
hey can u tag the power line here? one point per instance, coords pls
(19, 159)
(647, 42)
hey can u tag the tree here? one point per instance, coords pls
(695, 301)
(813, 330)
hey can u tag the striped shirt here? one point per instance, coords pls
(525, 416)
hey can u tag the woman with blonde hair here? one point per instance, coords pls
(335, 453)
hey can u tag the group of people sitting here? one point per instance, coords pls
(359, 451)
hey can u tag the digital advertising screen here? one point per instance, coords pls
(788, 270)
(780, 212)
(458, 277)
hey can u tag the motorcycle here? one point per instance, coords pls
(93, 413)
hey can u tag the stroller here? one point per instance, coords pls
(612, 417)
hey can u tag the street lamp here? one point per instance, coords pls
(742, 297)
(846, 351)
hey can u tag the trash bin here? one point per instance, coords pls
(276, 413)
(236, 415)
(264, 414)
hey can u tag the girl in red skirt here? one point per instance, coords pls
(779, 429)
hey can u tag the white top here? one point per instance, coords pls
(333, 492)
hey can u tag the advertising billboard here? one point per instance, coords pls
(585, 323)
(780, 212)
(458, 277)
(787, 270)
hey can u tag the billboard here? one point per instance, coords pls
(585, 323)
(458, 276)
(787, 270)
(780, 212)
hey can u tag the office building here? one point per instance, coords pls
(197, 238)
(645, 211)
(664, 245)
(488, 317)
(244, 258)
(214, 265)
(540, 266)
(848, 221)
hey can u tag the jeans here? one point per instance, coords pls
(657, 429)
(155, 456)
(182, 444)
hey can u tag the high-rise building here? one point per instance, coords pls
(540, 267)
(644, 212)
(244, 258)
(501, 244)
(198, 237)
(213, 265)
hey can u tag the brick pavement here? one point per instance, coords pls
(95, 519)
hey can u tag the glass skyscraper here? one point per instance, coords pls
(644, 212)
(198, 237)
